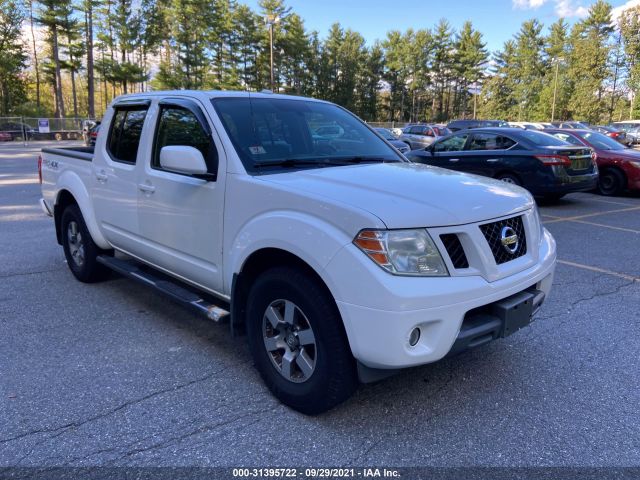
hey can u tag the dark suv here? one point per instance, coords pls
(467, 124)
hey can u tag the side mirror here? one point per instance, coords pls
(183, 159)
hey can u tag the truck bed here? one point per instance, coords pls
(81, 153)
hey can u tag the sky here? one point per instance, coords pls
(498, 20)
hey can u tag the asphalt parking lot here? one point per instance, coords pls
(114, 374)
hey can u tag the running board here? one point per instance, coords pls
(167, 286)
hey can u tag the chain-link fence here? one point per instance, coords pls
(26, 129)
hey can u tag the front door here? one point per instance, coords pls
(180, 215)
(450, 152)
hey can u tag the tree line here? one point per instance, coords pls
(72, 57)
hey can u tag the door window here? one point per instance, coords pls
(490, 141)
(125, 133)
(451, 144)
(180, 126)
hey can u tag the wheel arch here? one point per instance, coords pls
(73, 191)
(257, 263)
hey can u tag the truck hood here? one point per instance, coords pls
(408, 195)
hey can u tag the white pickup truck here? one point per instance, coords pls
(337, 257)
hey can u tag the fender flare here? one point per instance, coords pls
(72, 183)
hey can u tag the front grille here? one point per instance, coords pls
(454, 248)
(493, 232)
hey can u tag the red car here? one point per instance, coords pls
(619, 165)
(5, 137)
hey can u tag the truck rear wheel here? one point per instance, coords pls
(297, 341)
(79, 249)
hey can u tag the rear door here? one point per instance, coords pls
(180, 215)
(115, 191)
(488, 154)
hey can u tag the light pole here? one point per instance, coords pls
(555, 89)
(271, 20)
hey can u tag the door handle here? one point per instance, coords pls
(146, 188)
(102, 176)
(454, 159)
(492, 159)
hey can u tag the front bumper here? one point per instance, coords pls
(380, 310)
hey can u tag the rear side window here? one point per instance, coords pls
(490, 141)
(125, 132)
(180, 126)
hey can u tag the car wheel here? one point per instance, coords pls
(553, 197)
(79, 249)
(57, 137)
(509, 178)
(297, 341)
(611, 182)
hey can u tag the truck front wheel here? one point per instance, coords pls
(297, 341)
(79, 249)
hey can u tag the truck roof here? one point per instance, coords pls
(209, 94)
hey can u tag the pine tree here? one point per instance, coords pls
(630, 31)
(589, 63)
(471, 56)
(12, 57)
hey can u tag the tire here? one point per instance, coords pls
(553, 197)
(79, 249)
(57, 137)
(509, 178)
(329, 375)
(611, 182)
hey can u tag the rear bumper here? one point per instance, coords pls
(564, 183)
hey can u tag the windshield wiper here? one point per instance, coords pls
(362, 159)
(291, 162)
(322, 161)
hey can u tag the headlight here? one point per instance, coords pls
(402, 252)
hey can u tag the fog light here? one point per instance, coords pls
(414, 337)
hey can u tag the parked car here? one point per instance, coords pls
(420, 136)
(468, 124)
(631, 127)
(546, 166)
(619, 166)
(570, 125)
(391, 138)
(338, 258)
(5, 137)
(18, 130)
(615, 133)
(92, 135)
(527, 125)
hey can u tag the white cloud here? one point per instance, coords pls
(569, 8)
(562, 8)
(527, 4)
(616, 12)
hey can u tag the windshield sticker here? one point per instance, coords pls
(257, 150)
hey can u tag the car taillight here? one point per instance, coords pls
(554, 160)
(40, 168)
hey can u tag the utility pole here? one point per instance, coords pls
(271, 20)
(555, 90)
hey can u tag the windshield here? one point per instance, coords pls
(542, 139)
(386, 134)
(442, 131)
(602, 142)
(283, 133)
